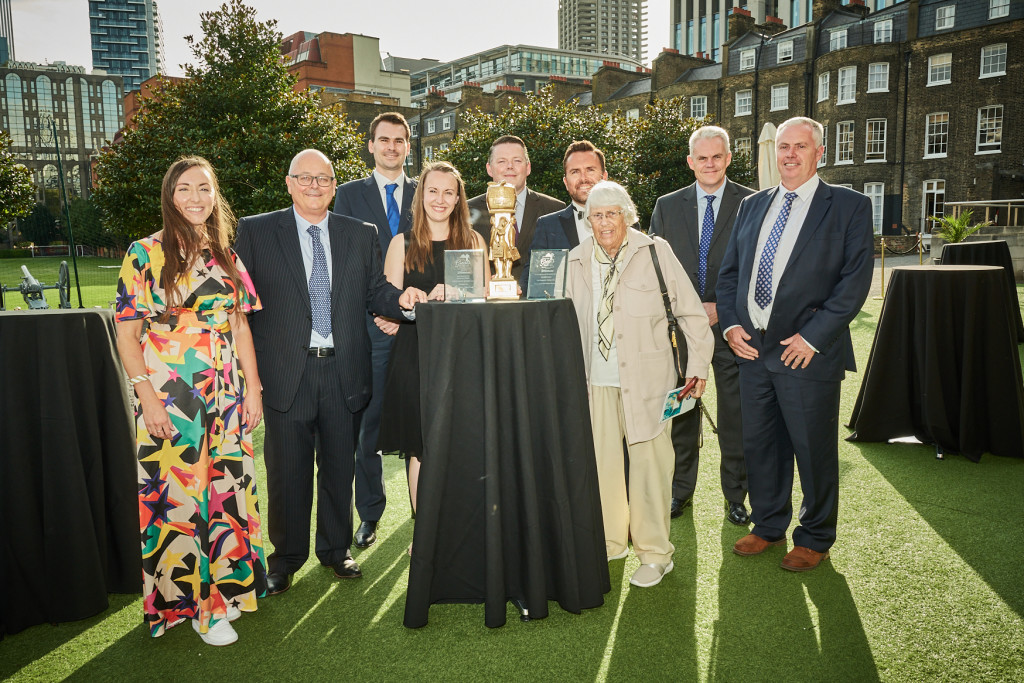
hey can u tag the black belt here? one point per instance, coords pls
(321, 351)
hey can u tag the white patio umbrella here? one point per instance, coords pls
(767, 170)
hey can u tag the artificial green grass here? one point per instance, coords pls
(924, 584)
(97, 276)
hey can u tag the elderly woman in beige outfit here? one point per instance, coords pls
(614, 288)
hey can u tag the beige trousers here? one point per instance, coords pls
(645, 515)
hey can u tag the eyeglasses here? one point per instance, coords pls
(600, 217)
(306, 180)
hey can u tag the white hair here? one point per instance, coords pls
(817, 131)
(709, 133)
(609, 193)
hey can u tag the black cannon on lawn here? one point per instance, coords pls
(32, 289)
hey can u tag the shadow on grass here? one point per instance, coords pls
(777, 625)
(968, 504)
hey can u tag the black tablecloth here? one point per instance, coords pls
(508, 503)
(69, 520)
(944, 366)
(989, 253)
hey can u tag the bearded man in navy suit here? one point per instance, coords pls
(795, 274)
(383, 199)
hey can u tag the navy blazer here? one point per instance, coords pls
(361, 200)
(822, 288)
(268, 245)
(554, 231)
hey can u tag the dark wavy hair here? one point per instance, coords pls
(183, 243)
(460, 231)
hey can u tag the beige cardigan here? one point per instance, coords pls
(646, 371)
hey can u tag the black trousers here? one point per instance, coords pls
(317, 426)
(686, 431)
(370, 496)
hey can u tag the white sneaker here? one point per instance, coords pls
(619, 556)
(233, 613)
(221, 633)
(648, 575)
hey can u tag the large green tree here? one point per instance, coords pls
(39, 226)
(546, 126)
(17, 194)
(237, 108)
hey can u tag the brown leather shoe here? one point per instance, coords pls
(752, 544)
(801, 559)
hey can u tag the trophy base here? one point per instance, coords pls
(503, 289)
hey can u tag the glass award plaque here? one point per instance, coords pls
(548, 268)
(464, 275)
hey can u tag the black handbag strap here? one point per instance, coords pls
(674, 334)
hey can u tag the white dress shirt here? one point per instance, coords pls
(520, 209)
(582, 229)
(382, 183)
(702, 205)
(306, 246)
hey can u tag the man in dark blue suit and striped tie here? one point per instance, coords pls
(318, 275)
(384, 199)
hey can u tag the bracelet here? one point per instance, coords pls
(138, 378)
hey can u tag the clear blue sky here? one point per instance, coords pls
(54, 30)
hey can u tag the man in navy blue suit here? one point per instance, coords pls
(583, 164)
(795, 274)
(384, 199)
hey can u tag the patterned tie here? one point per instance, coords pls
(392, 208)
(319, 286)
(707, 229)
(763, 287)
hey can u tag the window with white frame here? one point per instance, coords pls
(998, 9)
(746, 60)
(993, 60)
(431, 126)
(990, 129)
(744, 102)
(699, 106)
(780, 97)
(837, 39)
(823, 87)
(878, 77)
(742, 146)
(824, 144)
(415, 132)
(876, 193)
(784, 52)
(933, 204)
(945, 17)
(428, 152)
(844, 142)
(633, 113)
(936, 134)
(883, 31)
(446, 123)
(940, 69)
(874, 145)
(444, 146)
(847, 90)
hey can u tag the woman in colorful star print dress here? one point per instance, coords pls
(184, 340)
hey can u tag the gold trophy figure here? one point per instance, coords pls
(501, 203)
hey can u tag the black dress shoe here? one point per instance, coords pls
(680, 504)
(366, 534)
(347, 569)
(278, 583)
(738, 514)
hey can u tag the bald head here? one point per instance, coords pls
(311, 166)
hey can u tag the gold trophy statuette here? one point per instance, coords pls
(501, 203)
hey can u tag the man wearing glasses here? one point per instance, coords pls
(317, 275)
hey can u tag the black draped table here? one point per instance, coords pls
(989, 253)
(69, 520)
(944, 366)
(508, 503)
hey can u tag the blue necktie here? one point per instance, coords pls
(707, 229)
(319, 286)
(392, 205)
(763, 288)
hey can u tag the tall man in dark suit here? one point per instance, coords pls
(385, 200)
(796, 272)
(510, 161)
(583, 164)
(697, 221)
(317, 274)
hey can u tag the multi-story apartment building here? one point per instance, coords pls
(126, 39)
(6, 32)
(87, 110)
(613, 28)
